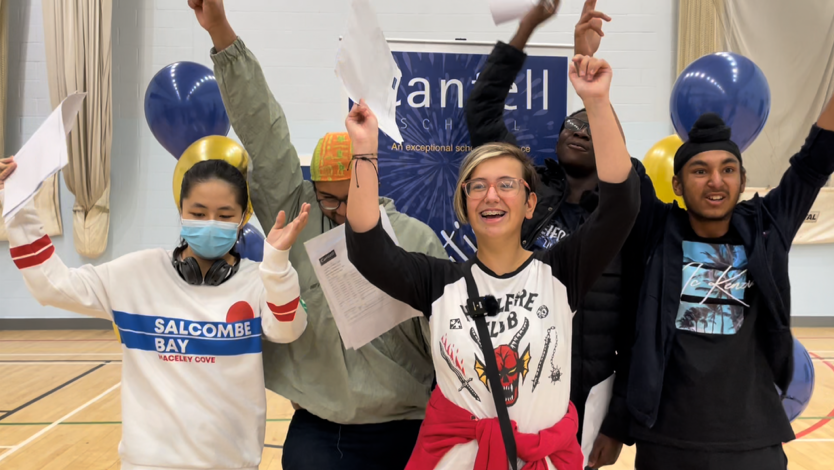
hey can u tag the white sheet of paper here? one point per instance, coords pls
(596, 409)
(508, 10)
(43, 155)
(361, 311)
(367, 69)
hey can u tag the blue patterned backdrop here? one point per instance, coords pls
(420, 175)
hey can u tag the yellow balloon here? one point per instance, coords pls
(118, 336)
(660, 166)
(213, 147)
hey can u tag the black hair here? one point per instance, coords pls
(209, 170)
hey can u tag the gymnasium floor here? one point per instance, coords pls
(59, 404)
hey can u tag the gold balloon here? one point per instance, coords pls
(213, 147)
(660, 166)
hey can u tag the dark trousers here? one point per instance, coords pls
(313, 443)
(657, 457)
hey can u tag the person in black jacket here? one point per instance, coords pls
(713, 328)
(567, 196)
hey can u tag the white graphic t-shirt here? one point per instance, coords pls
(530, 335)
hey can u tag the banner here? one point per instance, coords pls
(420, 174)
(819, 222)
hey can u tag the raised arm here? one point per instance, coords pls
(810, 170)
(282, 317)
(51, 283)
(485, 105)
(580, 258)
(258, 120)
(404, 276)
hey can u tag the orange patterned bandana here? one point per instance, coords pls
(331, 159)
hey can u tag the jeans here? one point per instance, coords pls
(313, 443)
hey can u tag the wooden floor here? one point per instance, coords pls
(60, 410)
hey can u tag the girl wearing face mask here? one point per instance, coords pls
(190, 322)
(503, 394)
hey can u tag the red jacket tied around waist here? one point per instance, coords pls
(447, 425)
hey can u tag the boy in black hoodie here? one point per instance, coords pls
(713, 327)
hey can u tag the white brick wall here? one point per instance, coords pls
(296, 43)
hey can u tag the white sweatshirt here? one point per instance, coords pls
(192, 376)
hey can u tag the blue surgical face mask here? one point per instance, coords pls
(209, 239)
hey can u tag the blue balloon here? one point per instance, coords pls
(250, 243)
(727, 84)
(802, 386)
(183, 105)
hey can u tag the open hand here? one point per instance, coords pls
(588, 31)
(210, 13)
(363, 128)
(7, 167)
(606, 451)
(282, 237)
(591, 77)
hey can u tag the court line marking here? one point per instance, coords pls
(50, 363)
(821, 422)
(55, 340)
(59, 387)
(274, 446)
(56, 423)
(60, 354)
(93, 423)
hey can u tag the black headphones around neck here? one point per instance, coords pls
(190, 271)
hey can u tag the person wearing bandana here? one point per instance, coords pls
(358, 408)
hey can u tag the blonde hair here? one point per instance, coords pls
(482, 154)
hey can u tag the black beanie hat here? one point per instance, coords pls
(708, 133)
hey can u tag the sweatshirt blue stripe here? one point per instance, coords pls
(187, 337)
(191, 346)
(177, 326)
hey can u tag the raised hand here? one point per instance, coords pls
(363, 129)
(591, 78)
(212, 17)
(210, 13)
(7, 167)
(588, 31)
(282, 237)
(543, 11)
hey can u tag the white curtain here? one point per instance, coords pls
(46, 200)
(78, 58)
(699, 30)
(793, 43)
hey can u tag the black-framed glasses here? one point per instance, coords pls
(577, 125)
(331, 203)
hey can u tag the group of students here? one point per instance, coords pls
(582, 271)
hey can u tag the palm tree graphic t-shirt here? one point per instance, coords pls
(714, 283)
(718, 393)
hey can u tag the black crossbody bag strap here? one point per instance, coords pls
(477, 310)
